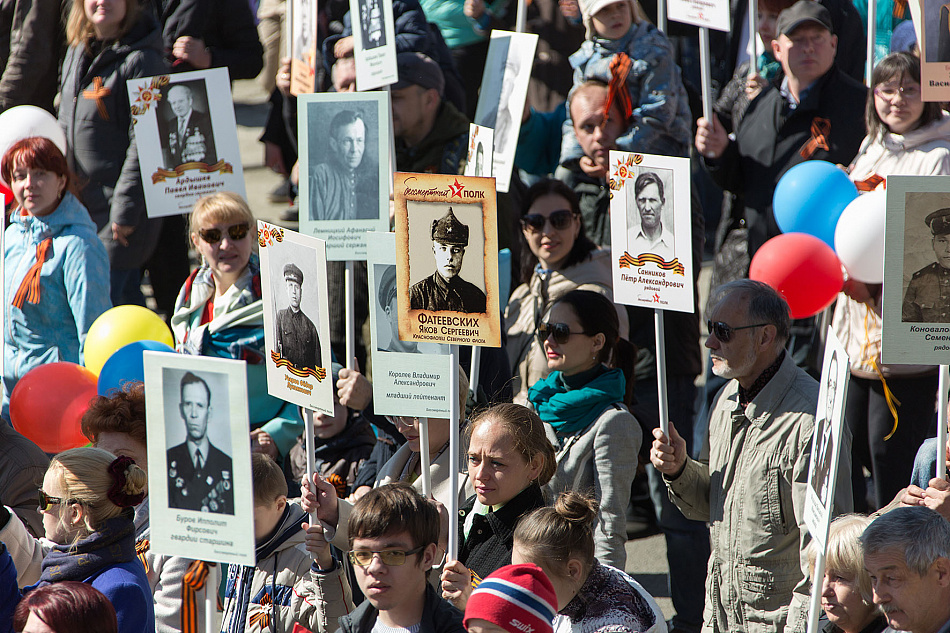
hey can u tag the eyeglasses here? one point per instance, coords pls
(560, 220)
(46, 501)
(724, 332)
(890, 92)
(236, 232)
(390, 558)
(560, 331)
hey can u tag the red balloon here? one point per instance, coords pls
(48, 403)
(802, 268)
(7, 194)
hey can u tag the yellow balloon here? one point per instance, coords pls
(118, 327)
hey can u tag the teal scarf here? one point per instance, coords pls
(572, 410)
(768, 66)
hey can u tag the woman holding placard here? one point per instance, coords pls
(906, 136)
(584, 401)
(556, 257)
(220, 312)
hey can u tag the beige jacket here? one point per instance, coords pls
(752, 492)
(530, 302)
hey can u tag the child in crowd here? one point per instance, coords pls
(513, 599)
(296, 579)
(624, 50)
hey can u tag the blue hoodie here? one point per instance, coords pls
(74, 290)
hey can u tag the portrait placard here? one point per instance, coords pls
(712, 14)
(199, 451)
(651, 231)
(303, 45)
(480, 151)
(374, 43)
(447, 259)
(296, 317)
(826, 439)
(502, 96)
(186, 138)
(344, 153)
(932, 22)
(409, 378)
(916, 304)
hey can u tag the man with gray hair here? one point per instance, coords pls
(751, 488)
(907, 554)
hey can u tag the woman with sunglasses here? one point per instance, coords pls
(56, 271)
(86, 500)
(906, 136)
(220, 312)
(584, 402)
(556, 257)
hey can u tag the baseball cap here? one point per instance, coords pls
(801, 12)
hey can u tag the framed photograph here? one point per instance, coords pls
(186, 138)
(302, 17)
(502, 96)
(199, 448)
(916, 307)
(932, 22)
(374, 43)
(702, 13)
(826, 439)
(344, 174)
(651, 231)
(447, 259)
(296, 317)
(409, 378)
(480, 151)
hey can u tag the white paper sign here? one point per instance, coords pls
(480, 150)
(374, 43)
(713, 14)
(186, 137)
(651, 231)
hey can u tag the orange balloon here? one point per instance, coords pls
(48, 403)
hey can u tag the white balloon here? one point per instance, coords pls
(859, 237)
(25, 121)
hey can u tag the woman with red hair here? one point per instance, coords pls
(56, 270)
(65, 606)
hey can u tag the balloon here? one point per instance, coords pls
(859, 238)
(47, 405)
(25, 121)
(802, 268)
(810, 197)
(116, 328)
(7, 194)
(126, 365)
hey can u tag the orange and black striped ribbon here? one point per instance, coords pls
(29, 289)
(870, 183)
(97, 94)
(193, 581)
(820, 129)
(617, 90)
(628, 261)
(141, 549)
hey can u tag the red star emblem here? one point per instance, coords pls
(456, 189)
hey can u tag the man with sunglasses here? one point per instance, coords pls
(297, 338)
(393, 541)
(752, 486)
(445, 290)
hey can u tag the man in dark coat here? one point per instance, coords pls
(297, 337)
(199, 474)
(927, 299)
(188, 136)
(444, 289)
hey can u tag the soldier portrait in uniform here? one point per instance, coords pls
(385, 276)
(372, 24)
(821, 474)
(936, 26)
(297, 339)
(200, 476)
(185, 132)
(445, 289)
(649, 222)
(927, 298)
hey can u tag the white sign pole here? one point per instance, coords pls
(424, 458)
(661, 15)
(818, 576)
(661, 371)
(211, 598)
(704, 67)
(942, 385)
(475, 368)
(311, 460)
(521, 17)
(753, 35)
(453, 509)
(350, 318)
(872, 35)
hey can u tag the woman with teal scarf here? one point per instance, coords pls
(583, 404)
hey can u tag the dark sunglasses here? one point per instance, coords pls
(560, 331)
(46, 501)
(236, 232)
(390, 558)
(724, 332)
(560, 220)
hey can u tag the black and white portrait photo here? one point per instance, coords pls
(478, 160)
(438, 247)
(650, 214)
(936, 27)
(927, 259)
(387, 328)
(297, 338)
(186, 133)
(824, 448)
(304, 29)
(372, 24)
(200, 473)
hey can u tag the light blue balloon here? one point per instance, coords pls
(126, 365)
(810, 198)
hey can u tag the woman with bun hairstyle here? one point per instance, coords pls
(583, 401)
(591, 596)
(65, 607)
(509, 459)
(86, 501)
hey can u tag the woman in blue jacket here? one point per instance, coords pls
(56, 269)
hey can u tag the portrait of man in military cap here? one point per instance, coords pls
(445, 290)
(385, 275)
(927, 299)
(297, 339)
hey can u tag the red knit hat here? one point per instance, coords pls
(518, 598)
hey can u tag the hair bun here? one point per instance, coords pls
(128, 482)
(576, 508)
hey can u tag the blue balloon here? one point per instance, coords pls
(810, 197)
(126, 365)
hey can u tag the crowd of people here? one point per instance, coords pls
(561, 427)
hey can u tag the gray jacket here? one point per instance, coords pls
(752, 492)
(31, 42)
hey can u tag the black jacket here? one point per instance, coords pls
(438, 616)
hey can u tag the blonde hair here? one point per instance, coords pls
(844, 554)
(267, 480)
(84, 478)
(79, 29)
(553, 535)
(223, 207)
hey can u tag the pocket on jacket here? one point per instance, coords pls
(764, 515)
(764, 596)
